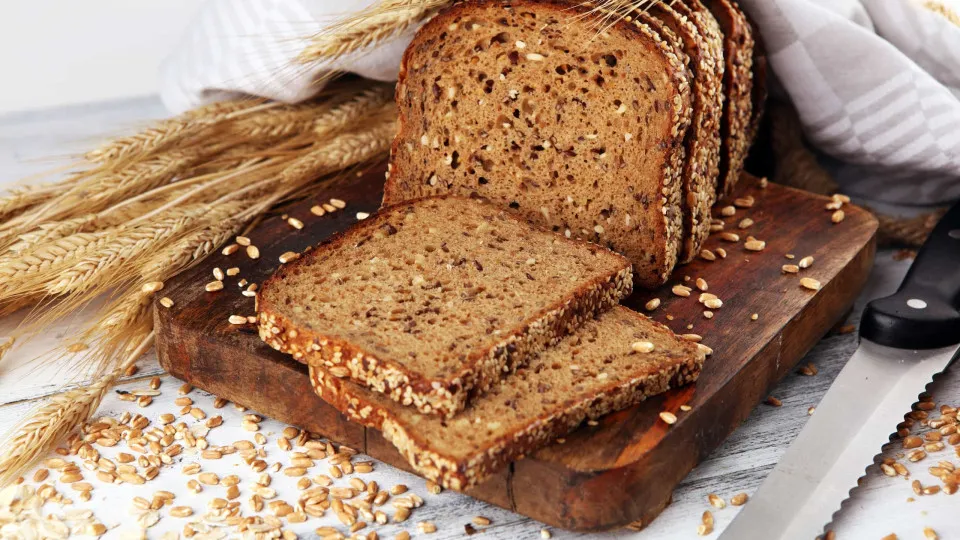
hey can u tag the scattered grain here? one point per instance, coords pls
(810, 283)
(681, 290)
(214, 286)
(755, 245)
(181, 511)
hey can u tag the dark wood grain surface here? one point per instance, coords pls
(622, 470)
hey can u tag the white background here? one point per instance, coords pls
(62, 52)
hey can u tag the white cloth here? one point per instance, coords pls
(876, 82)
(248, 47)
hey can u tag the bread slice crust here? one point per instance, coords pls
(704, 51)
(447, 392)
(738, 87)
(647, 228)
(469, 453)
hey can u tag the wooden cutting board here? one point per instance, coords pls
(623, 470)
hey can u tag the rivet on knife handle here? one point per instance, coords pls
(923, 314)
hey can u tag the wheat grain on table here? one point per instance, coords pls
(878, 508)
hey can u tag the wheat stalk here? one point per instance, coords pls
(167, 132)
(22, 198)
(279, 122)
(225, 109)
(382, 21)
(48, 232)
(149, 206)
(149, 140)
(373, 102)
(59, 265)
(101, 189)
(341, 152)
(99, 267)
(52, 421)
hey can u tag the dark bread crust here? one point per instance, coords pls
(760, 83)
(653, 260)
(479, 370)
(704, 50)
(462, 472)
(738, 88)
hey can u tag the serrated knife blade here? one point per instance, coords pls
(906, 339)
(853, 421)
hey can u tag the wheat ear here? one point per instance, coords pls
(67, 258)
(55, 419)
(100, 269)
(373, 102)
(149, 140)
(382, 21)
(167, 132)
(22, 198)
(341, 152)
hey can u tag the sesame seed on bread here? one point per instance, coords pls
(434, 300)
(595, 371)
(574, 126)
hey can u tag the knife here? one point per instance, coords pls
(905, 340)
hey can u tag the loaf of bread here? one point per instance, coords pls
(612, 362)
(577, 127)
(434, 300)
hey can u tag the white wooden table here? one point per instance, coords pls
(878, 508)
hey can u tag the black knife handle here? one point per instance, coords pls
(923, 312)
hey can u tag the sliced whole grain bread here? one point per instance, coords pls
(530, 105)
(597, 370)
(738, 89)
(704, 51)
(433, 300)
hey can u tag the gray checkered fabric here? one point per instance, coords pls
(876, 85)
(876, 82)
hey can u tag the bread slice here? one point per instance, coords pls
(435, 299)
(738, 88)
(703, 49)
(591, 373)
(529, 104)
